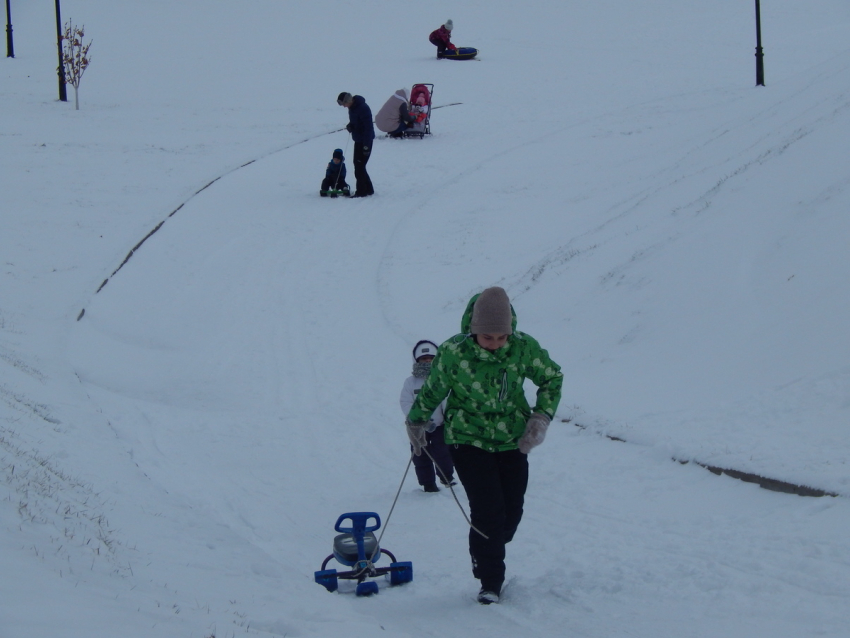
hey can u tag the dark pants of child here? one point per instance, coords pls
(437, 448)
(334, 182)
(495, 484)
(441, 47)
(362, 152)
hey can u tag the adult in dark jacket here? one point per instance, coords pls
(363, 134)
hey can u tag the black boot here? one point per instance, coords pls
(431, 487)
(490, 592)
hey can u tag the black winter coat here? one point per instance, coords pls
(360, 118)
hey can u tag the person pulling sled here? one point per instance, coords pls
(489, 426)
(363, 134)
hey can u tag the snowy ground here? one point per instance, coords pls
(174, 457)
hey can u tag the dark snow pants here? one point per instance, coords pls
(334, 182)
(362, 152)
(441, 46)
(438, 449)
(495, 484)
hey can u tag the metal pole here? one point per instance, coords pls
(10, 46)
(63, 96)
(759, 52)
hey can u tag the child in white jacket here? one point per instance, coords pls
(423, 355)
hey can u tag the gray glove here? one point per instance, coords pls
(430, 426)
(535, 432)
(416, 434)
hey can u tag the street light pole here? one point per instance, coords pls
(759, 53)
(10, 46)
(63, 96)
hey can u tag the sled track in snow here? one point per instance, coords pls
(774, 485)
(206, 186)
(189, 199)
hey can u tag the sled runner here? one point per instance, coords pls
(421, 96)
(336, 192)
(461, 53)
(357, 547)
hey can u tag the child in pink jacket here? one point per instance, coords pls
(441, 38)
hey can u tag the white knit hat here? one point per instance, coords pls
(449, 25)
(424, 348)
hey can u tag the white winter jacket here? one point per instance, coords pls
(411, 388)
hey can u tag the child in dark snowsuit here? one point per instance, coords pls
(335, 175)
(423, 354)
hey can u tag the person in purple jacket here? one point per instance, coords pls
(363, 134)
(442, 38)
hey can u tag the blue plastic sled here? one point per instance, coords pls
(461, 53)
(356, 546)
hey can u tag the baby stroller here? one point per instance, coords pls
(421, 96)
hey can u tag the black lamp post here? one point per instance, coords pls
(759, 53)
(10, 46)
(63, 96)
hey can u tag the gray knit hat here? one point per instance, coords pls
(491, 314)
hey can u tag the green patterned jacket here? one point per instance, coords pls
(486, 404)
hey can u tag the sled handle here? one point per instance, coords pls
(359, 522)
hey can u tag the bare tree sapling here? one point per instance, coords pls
(75, 58)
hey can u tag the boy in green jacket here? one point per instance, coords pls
(488, 422)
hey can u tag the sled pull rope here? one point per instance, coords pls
(447, 482)
(392, 507)
(395, 500)
(344, 153)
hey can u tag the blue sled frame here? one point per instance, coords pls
(357, 547)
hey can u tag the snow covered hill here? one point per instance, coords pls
(179, 430)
